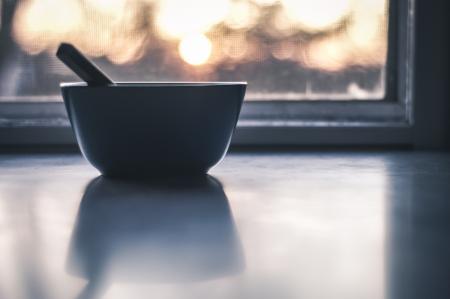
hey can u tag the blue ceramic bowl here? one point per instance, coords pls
(150, 129)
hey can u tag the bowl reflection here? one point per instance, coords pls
(172, 230)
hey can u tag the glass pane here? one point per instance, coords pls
(285, 49)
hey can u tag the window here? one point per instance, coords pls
(309, 63)
(287, 49)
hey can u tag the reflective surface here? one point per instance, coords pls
(269, 225)
(170, 231)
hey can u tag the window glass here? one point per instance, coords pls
(285, 49)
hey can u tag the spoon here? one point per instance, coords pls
(82, 66)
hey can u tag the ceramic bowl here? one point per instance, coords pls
(150, 129)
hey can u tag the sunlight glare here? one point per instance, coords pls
(304, 33)
(195, 49)
(266, 2)
(330, 54)
(365, 29)
(36, 25)
(242, 15)
(317, 15)
(113, 8)
(177, 18)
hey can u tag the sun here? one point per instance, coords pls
(195, 49)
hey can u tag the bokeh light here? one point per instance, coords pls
(40, 24)
(195, 49)
(317, 15)
(115, 29)
(215, 39)
(242, 15)
(175, 18)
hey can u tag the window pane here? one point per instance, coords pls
(285, 49)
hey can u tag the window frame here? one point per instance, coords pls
(393, 108)
(319, 122)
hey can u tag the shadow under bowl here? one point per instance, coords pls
(153, 129)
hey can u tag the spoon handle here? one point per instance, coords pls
(82, 66)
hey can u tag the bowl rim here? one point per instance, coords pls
(157, 84)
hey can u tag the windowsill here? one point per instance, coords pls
(246, 135)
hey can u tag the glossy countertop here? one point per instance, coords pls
(261, 225)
